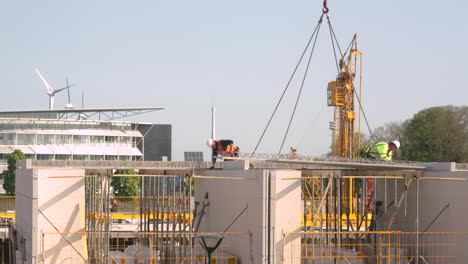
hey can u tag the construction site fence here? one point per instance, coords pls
(138, 248)
(379, 247)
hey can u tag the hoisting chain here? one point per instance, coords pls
(325, 7)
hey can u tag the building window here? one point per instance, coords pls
(45, 139)
(80, 157)
(62, 139)
(97, 140)
(127, 141)
(25, 139)
(111, 140)
(45, 156)
(62, 157)
(96, 157)
(112, 157)
(124, 158)
(7, 139)
(80, 139)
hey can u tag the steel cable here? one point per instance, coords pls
(300, 91)
(334, 40)
(332, 32)
(288, 83)
(363, 112)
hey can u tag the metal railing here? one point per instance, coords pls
(127, 247)
(379, 247)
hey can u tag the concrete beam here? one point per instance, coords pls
(258, 164)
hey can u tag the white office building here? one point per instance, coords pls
(69, 140)
(65, 135)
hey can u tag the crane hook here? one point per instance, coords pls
(325, 7)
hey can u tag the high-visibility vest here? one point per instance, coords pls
(229, 149)
(380, 151)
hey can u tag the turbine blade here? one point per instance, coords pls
(63, 88)
(68, 92)
(59, 90)
(49, 87)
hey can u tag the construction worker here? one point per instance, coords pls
(293, 154)
(113, 205)
(223, 147)
(382, 150)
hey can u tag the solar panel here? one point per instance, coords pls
(193, 156)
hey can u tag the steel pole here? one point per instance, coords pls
(213, 122)
(417, 221)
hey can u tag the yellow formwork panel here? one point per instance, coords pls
(186, 218)
(331, 218)
(8, 215)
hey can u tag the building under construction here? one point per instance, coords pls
(259, 208)
(268, 209)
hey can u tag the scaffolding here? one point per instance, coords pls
(97, 191)
(164, 203)
(393, 247)
(374, 221)
(163, 230)
(373, 227)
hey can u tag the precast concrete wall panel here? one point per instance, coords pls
(50, 212)
(273, 202)
(437, 202)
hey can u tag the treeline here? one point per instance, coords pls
(433, 134)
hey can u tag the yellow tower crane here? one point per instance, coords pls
(341, 94)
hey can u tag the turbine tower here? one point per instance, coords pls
(50, 90)
(69, 105)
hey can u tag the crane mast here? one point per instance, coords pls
(340, 93)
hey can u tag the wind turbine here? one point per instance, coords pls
(50, 90)
(69, 105)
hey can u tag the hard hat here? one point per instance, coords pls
(396, 143)
(210, 142)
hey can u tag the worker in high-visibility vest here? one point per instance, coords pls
(223, 147)
(382, 150)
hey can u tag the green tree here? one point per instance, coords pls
(388, 132)
(189, 185)
(10, 173)
(126, 185)
(437, 134)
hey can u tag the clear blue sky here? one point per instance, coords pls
(237, 55)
